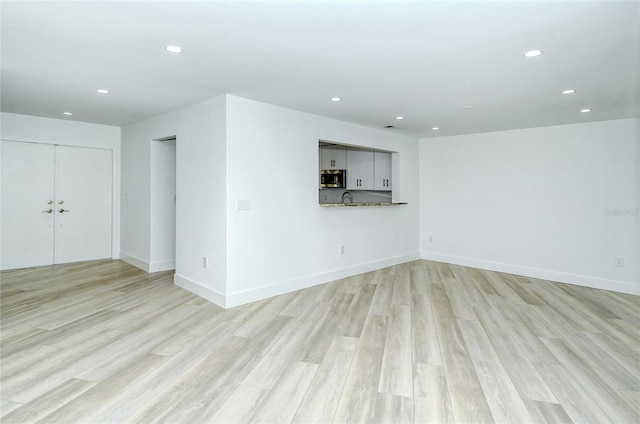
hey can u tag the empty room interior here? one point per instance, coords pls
(320, 211)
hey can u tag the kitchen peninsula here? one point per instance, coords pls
(340, 205)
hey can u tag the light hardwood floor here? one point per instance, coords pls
(104, 342)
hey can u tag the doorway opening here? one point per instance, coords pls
(163, 199)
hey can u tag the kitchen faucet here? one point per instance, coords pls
(348, 195)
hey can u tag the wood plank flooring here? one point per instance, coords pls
(103, 342)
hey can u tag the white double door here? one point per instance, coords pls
(56, 204)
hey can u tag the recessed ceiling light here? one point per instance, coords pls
(570, 91)
(67, 113)
(533, 53)
(103, 91)
(585, 110)
(467, 107)
(399, 117)
(435, 128)
(174, 49)
(335, 99)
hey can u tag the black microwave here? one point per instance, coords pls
(333, 178)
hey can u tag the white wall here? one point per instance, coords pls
(200, 189)
(70, 133)
(229, 148)
(287, 241)
(555, 202)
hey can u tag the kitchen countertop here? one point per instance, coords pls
(355, 204)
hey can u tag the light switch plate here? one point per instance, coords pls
(244, 204)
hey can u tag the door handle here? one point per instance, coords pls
(50, 202)
(63, 210)
(48, 211)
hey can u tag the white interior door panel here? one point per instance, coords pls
(83, 204)
(27, 208)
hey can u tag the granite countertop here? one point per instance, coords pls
(341, 205)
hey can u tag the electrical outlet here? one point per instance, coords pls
(244, 204)
(205, 262)
(619, 262)
(341, 250)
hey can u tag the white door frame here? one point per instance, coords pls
(162, 204)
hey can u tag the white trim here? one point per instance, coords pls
(544, 274)
(200, 290)
(162, 266)
(132, 260)
(57, 142)
(264, 292)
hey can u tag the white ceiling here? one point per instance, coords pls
(424, 60)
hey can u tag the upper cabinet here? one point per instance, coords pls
(360, 169)
(333, 157)
(382, 171)
(366, 169)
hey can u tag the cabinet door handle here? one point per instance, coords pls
(48, 211)
(63, 210)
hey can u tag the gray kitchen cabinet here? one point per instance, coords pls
(382, 171)
(360, 169)
(333, 157)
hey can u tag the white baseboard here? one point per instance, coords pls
(259, 293)
(147, 266)
(543, 274)
(200, 290)
(132, 260)
(264, 292)
(162, 266)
